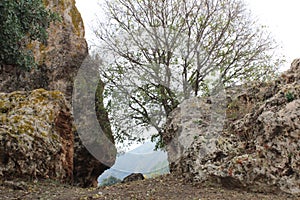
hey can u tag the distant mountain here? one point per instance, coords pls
(142, 159)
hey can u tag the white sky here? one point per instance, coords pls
(280, 16)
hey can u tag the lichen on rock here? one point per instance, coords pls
(36, 136)
(258, 146)
(38, 139)
(58, 63)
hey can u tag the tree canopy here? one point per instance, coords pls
(21, 22)
(156, 53)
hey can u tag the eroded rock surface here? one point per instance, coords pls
(36, 136)
(254, 145)
(58, 61)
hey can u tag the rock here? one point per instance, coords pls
(36, 137)
(59, 61)
(133, 177)
(257, 146)
(87, 169)
(94, 145)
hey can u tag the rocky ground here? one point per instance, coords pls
(163, 187)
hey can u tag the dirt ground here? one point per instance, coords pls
(163, 187)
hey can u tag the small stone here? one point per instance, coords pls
(133, 177)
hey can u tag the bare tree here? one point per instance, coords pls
(156, 53)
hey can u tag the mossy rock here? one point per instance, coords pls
(33, 145)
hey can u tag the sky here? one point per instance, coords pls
(281, 17)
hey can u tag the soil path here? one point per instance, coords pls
(164, 187)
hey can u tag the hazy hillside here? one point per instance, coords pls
(143, 159)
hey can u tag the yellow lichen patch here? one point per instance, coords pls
(4, 107)
(2, 103)
(3, 119)
(55, 137)
(40, 90)
(44, 134)
(56, 95)
(46, 2)
(40, 95)
(16, 119)
(62, 4)
(31, 46)
(17, 95)
(25, 128)
(76, 20)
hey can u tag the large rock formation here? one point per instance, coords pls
(36, 136)
(58, 63)
(254, 145)
(38, 139)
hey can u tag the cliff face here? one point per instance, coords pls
(257, 145)
(58, 61)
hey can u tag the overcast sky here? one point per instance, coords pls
(282, 18)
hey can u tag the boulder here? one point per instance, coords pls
(253, 145)
(36, 136)
(133, 177)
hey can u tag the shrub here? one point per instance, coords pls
(21, 22)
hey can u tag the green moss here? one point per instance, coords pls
(289, 96)
(19, 125)
(40, 90)
(51, 116)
